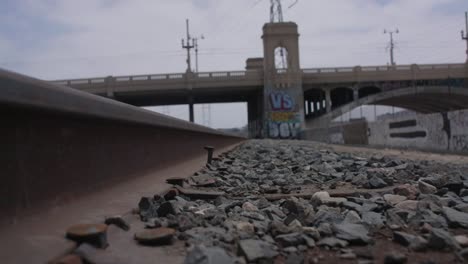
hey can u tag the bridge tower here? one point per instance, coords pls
(283, 115)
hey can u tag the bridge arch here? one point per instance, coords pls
(314, 102)
(425, 99)
(341, 96)
(281, 58)
(368, 90)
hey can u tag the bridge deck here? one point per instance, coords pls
(241, 81)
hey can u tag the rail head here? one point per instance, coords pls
(26, 92)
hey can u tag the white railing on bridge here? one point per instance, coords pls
(227, 75)
(383, 68)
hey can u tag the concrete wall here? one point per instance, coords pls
(440, 131)
(436, 132)
(352, 133)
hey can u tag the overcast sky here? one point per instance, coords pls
(56, 39)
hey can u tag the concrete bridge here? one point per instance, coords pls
(280, 99)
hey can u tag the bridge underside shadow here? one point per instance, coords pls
(427, 99)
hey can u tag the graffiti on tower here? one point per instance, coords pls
(284, 117)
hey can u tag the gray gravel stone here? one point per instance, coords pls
(456, 218)
(353, 233)
(254, 250)
(212, 255)
(332, 242)
(441, 239)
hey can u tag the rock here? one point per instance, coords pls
(426, 188)
(376, 183)
(318, 197)
(325, 229)
(311, 232)
(409, 205)
(393, 200)
(464, 254)
(395, 258)
(373, 219)
(278, 228)
(415, 243)
(118, 221)
(327, 216)
(295, 225)
(332, 242)
(249, 207)
(352, 206)
(245, 227)
(290, 240)
(212, 255)
(167, 208)
(254, 250)
(348, 256)
(293, 207)
(209, 236)
(290, 250)
(310, 242)
(436, 180)
(295, 258)
(352, 217)
(253, 215)
(462, 240)
(456, 218)
(407, 190)
(353, 233)
(147, 208)
(440, 240)
(462, 208)
(155, 223)
(333, 202)
(158, 236)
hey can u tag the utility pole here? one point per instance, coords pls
(464, 35)
(188, 47)
(392, 45)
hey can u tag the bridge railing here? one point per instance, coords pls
(383, 68)
(223, 75)
(250, 75)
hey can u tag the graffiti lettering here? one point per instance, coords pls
(284, 130)
(283, 117)
(281, 102)
(460, 142)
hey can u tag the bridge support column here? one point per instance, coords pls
(355, 94)
(109, 81)
(254, 112)
(314, 106)
(328, 102)
(191, 112)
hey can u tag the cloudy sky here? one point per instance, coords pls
(57, 39)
